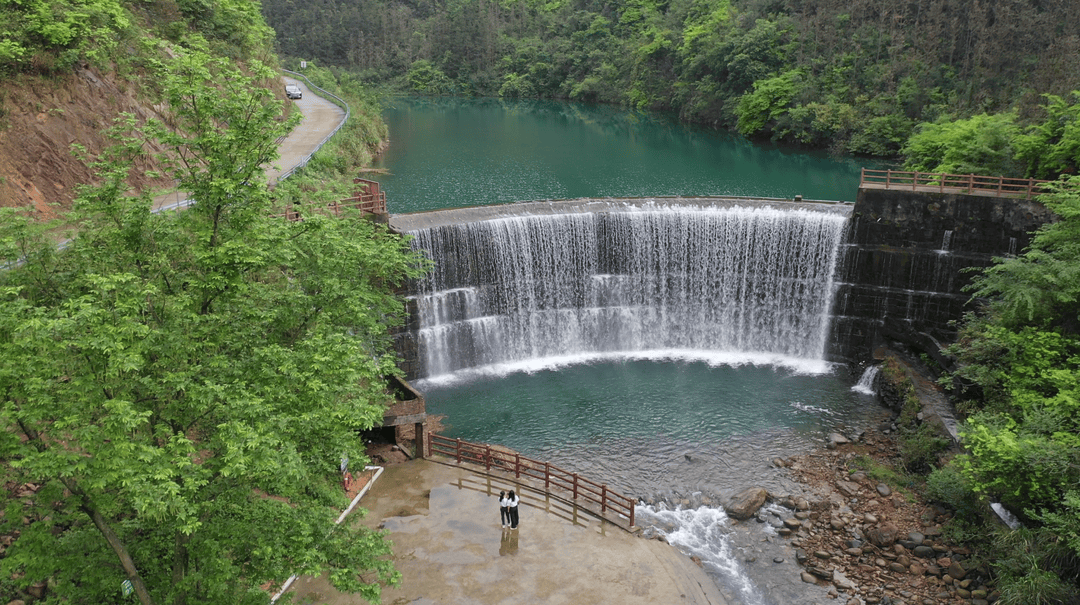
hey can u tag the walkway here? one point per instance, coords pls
(321, 117)
(450, 549)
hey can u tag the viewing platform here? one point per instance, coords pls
(940, 182)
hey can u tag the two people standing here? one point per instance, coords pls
(508, 509)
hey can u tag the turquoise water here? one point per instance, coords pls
(449, 153)
(630, 422)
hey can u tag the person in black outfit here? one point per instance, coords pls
(512, 502)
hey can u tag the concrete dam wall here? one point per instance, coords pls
(770, 280)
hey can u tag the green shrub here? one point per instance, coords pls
(920, 448)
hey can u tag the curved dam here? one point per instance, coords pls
(738, 278)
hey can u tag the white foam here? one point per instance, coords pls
(802, 367)
(702, 532)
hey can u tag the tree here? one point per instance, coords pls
(180, 389)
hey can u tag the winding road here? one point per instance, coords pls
(321, 117)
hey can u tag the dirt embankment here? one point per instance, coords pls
(42, 118)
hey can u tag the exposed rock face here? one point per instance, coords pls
(744, 504)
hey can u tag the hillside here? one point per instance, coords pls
(44, 117)
(72, 67)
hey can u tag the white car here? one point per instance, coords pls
(293, 91)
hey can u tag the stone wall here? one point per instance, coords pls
(902, 276)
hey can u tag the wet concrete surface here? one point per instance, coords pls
(450, 548)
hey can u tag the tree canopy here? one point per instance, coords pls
(180, 389)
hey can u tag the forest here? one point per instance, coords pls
(856, 77)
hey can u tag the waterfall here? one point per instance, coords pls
(753, 283)
(866, 381)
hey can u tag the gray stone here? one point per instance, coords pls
(744, 504)
(924, 551)
(884, 490)
(898, 567)
(808, 578)
(793, 523)
(840, 581)
(838, 439)
(916, 537)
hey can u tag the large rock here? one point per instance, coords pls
(883, 536)
(744, 504)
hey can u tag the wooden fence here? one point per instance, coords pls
(368, 198)
(556, 481)
(940, 182)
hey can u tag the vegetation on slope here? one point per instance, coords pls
(180, 389)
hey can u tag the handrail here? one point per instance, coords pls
(340, 103)
(941, 182)
(580, 488)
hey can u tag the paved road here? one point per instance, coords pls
(321, 117)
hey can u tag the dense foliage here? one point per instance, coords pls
(181, 388)
(852, 76)
(1020, 373)
(56, 36)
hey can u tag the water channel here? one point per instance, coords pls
(673, 424)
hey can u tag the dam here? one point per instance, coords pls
(590, 278)
(783, 282)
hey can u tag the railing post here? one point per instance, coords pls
(1001, 183)
(574, 475)
(487, 457)
(941, 183)
(915, 180)
(633, 506)
(971, 182)
(547, 475)
(603, 498)
(458, 452)
(517, 465)
(888, 177)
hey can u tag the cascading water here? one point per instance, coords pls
(754, 282)
(866, 381)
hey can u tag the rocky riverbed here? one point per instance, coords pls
(854, 539)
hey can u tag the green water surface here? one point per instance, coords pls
(451, 152)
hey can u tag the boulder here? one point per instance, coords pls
(882, 536)
(957, 571)
(744, 504)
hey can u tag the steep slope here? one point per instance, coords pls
(42, 118)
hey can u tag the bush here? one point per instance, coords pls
(1027, 574)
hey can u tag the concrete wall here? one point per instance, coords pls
(902, 276)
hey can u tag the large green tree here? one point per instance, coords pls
(179, 390)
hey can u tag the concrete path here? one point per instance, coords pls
(450, 549)
(321, 117)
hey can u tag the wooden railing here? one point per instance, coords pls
(588, 494)
(997, 186)
(368, 198)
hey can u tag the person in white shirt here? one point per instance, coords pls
(512, 503)
(504, 509)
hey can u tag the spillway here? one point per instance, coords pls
(585, 278)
